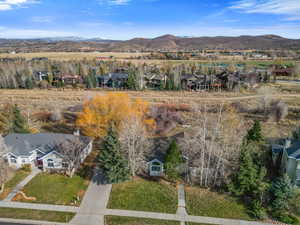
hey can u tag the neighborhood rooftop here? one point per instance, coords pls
(23, 144)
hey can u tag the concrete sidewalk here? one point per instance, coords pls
(29, 222)
(20, 186)
(22, 205)
(94, 203)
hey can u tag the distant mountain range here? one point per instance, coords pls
(166, 42)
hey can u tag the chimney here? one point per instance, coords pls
(76, 132)
(287, 143)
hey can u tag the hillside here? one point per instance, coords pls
(166, 42)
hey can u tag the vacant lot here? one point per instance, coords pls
(202, 202)
(55, 189)
(29, 214)
(17, 178)
(143, 195)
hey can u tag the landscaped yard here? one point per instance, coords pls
(17, 178)
(295, 206)
(55, 189)
(143, 195)
(29, 214)
(202, 202)
(118, 220)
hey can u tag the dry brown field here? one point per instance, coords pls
(34, 101)
(73, 55)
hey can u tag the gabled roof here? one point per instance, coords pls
(294, 150)
(24, 144)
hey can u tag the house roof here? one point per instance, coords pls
(23, 144)
(294, 150)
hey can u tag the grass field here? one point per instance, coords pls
(202, 202)
(55, 189)
(143, 195)
(29, 214)
(117, 220)
(17, 178)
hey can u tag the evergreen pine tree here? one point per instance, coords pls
(18, 123)
(281, 192)
(249, 181)
(114, 165)
(131, 82)
(172, 161)
(255, 134)
(29, 83)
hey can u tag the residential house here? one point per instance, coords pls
(68, 79)
(41, 75)
(113, 80)
(155, 81)
(288, 156)
(40, 150)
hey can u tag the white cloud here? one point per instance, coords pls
(289, 8)
(114, 2)
(11, 4)
(42, 19)
(6, 32)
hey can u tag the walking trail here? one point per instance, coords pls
(20, 186)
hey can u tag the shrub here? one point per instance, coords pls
(256, 210)
(44, 84)
(286, 218)
(173, 161)
(166, 117)
(26, 168)
(56, 116)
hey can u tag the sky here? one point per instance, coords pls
(126, 19)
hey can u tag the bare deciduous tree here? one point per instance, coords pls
(212, 148)
(72, 151)
(266, 92)
(134, 142)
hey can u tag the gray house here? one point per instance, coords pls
(40, 150)
(288, 154)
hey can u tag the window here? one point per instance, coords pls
(13, 160)
(155, 168)
(50, 163)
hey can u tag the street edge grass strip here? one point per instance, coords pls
(30, 214)
(124, 220)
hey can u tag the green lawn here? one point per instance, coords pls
(55, 189)
(202, 202)
(295, 206)
(29, 214)
(17, 178)
(143, 195)
(118, 220)
(190, 223)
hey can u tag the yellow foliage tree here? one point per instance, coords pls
(113, 108)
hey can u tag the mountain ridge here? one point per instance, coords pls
(166, 42)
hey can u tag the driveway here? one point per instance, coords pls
(91, 211)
